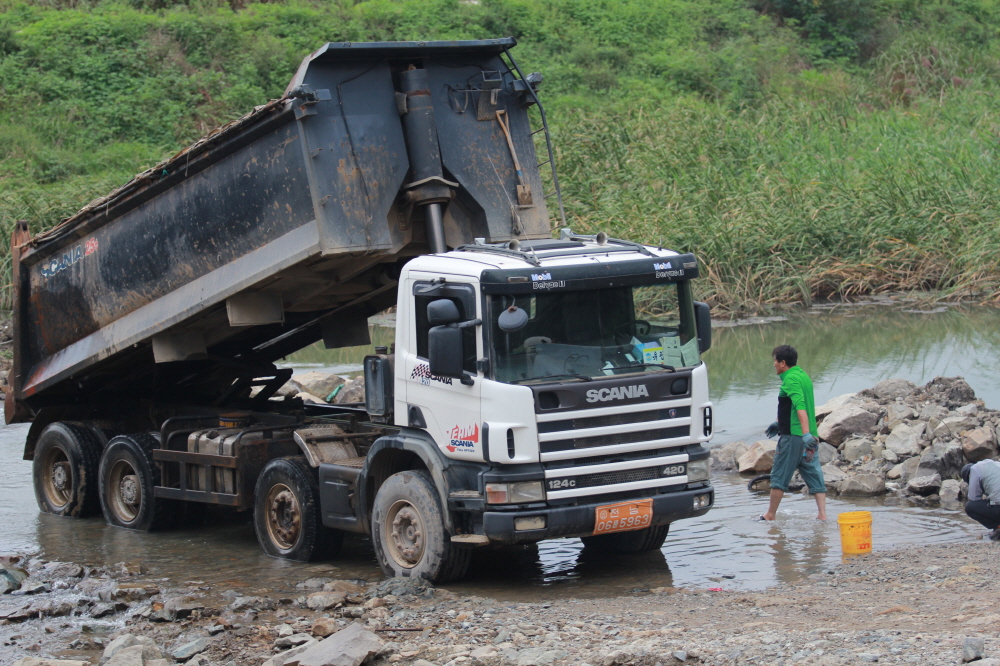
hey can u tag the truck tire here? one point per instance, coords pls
(65, 469)
(128, 475)
(636, 541)
(408, 531)
(287, 515)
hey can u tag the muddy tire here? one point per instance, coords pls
(128, 475)
(408, 531)
(287, 515)
(636, 541)
(65, 470)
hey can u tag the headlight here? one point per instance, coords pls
(697, 471)
(515, 493)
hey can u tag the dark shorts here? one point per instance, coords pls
(788, 458)
(988, 515)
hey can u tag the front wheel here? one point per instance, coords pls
(636, 541)
(128, 475)
(287, 515)
(408, 531)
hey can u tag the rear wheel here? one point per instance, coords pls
(65, 470)
(287, 516)
(408, 531)
(636, 541)
(128, 475)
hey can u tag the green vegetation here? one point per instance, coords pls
(801, 148)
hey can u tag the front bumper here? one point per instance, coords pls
(577, 521)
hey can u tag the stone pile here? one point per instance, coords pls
(893, 438)
(321, 388)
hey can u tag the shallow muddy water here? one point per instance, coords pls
(844, 349)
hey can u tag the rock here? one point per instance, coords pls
(135, 655)
(832, 404)
(313, 583)
(897, 411)
(348, 647)
(827, 453)
(62, 570)
(162, 615)
(951, 490)
(679, 655)
(133, 591)
(34, 586)
(120, 643)
(832, 474)
(890, 389)
(979, 444)
(890, 456)
(871, 657)
(855, 449)
(943, 459)
(32, 661)
(538, 656)
(845, 421)
(905, 438)
(932, 411)
(319, 384)
(182, 607)
(324, 626)
(759, 457)
(252, 603)
(725, 457)
(293, 640)
(280, 659)
(353, 391)
(102, 610)
(951, 427)
(321, 601)
(309, 398)
(951, 392)
(924, 485)
(862, 485)
(344, 586)
(972, 649)
(968, 410)
(189, 650)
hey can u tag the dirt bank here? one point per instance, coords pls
(912, 606)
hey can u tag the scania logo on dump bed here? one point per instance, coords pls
(617, 393)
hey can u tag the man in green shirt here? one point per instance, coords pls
(796, 425)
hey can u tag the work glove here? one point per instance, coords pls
(772, 430)
(811, 445)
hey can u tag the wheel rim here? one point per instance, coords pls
(405, 527)
(125, 491)
(57, 477)
(284, 516)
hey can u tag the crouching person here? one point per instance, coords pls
(984, 494)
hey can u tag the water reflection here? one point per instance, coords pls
(845, 350)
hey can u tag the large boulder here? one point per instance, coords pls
(905, 439)
(951, 392)
(927, 484)
(832, 475)
(353, 391)
(827, 453)
(951, 491)
(856, 449)
(861, 485)
(904, 470)
(845, 421)
(933, 411)
(759, 457)
(898, 411)
(979, 444)
(945, 460)
(952, 426)
(348, 647)
(832, 404)
(890, 389)
(724, 457)
(319, 384)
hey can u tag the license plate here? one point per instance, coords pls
(623, 516)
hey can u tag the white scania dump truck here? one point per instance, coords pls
(538, 387)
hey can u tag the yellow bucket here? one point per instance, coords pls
(855, 532)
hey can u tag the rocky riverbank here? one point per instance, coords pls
(895, 438)
(917, 606)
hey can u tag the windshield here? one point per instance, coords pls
(595, 333)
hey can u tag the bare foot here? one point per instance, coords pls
(768, 516)
(821, 516)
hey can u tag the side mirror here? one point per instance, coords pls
(441, 312)
(444, 351)
(703, 322)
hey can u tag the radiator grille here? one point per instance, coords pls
(623, 476)
(610, 440)
(614, 419)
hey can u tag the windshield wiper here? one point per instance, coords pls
(646, 365)
(574, 375)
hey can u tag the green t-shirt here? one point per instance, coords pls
(797, 387)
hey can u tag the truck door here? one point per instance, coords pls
(445, 407)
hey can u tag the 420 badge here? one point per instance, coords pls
(623, 517)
